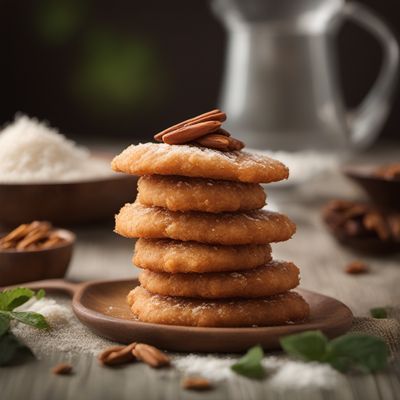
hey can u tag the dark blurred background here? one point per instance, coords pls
(125, 69)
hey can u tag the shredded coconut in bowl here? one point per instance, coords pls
(31, 151)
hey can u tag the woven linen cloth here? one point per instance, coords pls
(388, 329)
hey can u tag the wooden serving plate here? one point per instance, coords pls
(102, 307)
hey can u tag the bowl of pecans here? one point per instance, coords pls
(364, 227)
(34, 251)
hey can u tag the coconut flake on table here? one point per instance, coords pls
(32, 151)
(281, 373)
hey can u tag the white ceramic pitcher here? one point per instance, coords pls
(281, 88)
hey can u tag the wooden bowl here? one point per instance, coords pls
(65, 203)
(32, 265)
(382, 192)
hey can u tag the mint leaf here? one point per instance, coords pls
(30, 318)
(378, 312)
(11, 348)
(4, 324)
(309, 346)
(352, 351)
(359, 351)
(250, 364)
(12, 298)
(40, 294)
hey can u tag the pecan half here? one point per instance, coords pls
(196, 383)
(18, 233)
(198, 130)
(36, 235)
(213, 115)
(117, 355)
(374, 221)
(51, 242)
(214, 141)
(31, 239)
(189, 133)
(220, 142)
(62, 369)
(235, 144)
(151, 355)
(357, 267)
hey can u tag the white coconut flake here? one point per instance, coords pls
(281, 373)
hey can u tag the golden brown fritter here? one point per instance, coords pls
(276, 310)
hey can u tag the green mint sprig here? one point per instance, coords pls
(378, 312)
(250, 364)
(353, 351)
(10, 346)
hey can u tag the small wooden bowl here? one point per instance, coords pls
(382, 192)
(66, 203)
(31, 265)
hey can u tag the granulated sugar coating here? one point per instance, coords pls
(31, 151)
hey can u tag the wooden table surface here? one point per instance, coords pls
(102, 254)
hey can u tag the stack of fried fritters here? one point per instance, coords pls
(204, 242)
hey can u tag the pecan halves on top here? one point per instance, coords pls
(204, 130)
(189, 133)
(213, 115)
(220, 142)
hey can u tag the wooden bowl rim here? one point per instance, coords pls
(103, 179)
(364, 172)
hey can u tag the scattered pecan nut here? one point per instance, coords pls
(357, 267)
(117, 355)
(196, 383)
(62, 369)
(151, 355)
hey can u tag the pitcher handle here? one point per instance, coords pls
(367, 119)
